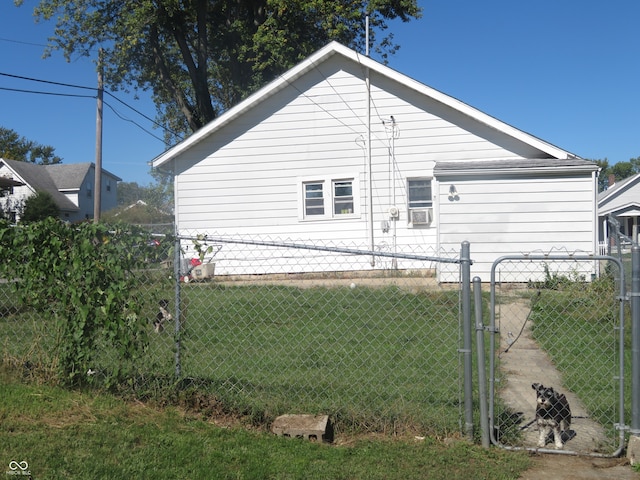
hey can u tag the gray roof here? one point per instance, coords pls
(618, 187)
(71, 176)
(37, 177)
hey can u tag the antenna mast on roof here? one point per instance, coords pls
(369, 166)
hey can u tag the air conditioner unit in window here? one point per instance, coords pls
(421, 216)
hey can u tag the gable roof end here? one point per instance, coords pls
(335, 48)
(39, 180)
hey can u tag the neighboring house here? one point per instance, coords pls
(344, 149)
(622, 201)
(70, 185)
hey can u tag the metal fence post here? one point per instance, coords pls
(465, 274)
(635, 340)
(178, 310)
(482, 374)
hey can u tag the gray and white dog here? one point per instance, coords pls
(553, 415)
(163, 316)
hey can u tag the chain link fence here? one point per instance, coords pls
(273, 327)
(261, 326)
(558, 321)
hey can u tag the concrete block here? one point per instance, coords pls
(310, 427)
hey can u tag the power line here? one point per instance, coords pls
(21, 90)
(143, 115)
(69, 85)
(46, 81)
(2, 39)
(131, 121)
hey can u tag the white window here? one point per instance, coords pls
(327, 198)
(343, 197)
(313, 199)
(419, 201)
(419, 192)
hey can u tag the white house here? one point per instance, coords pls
(70, 185)
(622, 201)
(342, 148)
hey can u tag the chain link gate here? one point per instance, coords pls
(559, 321)
(369, 338)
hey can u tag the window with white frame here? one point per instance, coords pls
(419, 201)
(343, 197)
(327, 198)
(314, 199)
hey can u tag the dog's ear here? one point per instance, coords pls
(537, 386)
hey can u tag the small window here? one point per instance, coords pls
(313, 199)
(343, 197)
(419, 193)
(108, 185)
(328, 197)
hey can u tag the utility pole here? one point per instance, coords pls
(97, 190)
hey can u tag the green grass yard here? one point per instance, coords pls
(87, 435)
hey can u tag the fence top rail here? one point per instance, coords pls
(348, 251)
(570, 257)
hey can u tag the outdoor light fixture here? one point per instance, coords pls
(453, 193)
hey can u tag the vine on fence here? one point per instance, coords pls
(81, 279)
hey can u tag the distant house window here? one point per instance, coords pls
(328, 198)
(88, 189)
(419, 193)
(108, 185)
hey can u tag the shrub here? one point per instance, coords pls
(38, 207)
(80, 278)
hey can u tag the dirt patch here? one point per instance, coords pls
(568, 467)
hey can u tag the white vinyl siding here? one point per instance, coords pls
(514, 216)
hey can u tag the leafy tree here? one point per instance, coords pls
(200, 57)
(15, 147)
(620, 171)
(141, 213)
(38, 207)
(158, 195)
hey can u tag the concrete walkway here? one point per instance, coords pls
(525, 363)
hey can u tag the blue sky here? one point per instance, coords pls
(565, 71)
